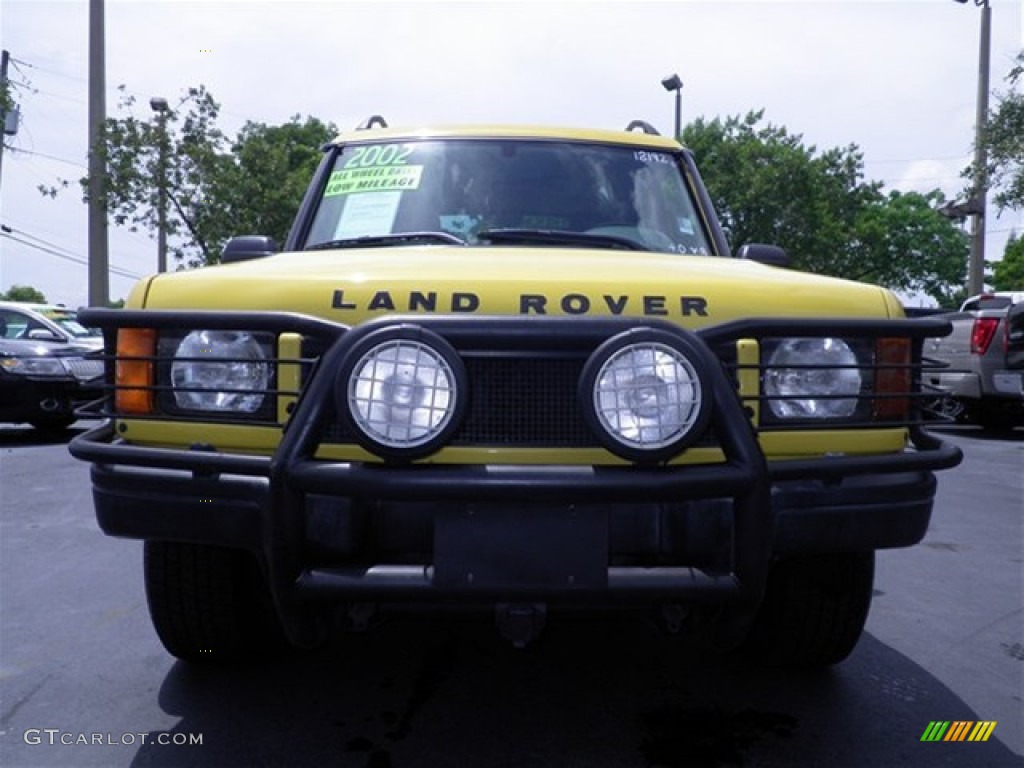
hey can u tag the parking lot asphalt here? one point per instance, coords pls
(79, 659)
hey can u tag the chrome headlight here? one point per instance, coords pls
(221, 371)
(644, 396)
(812, 378)
(34, 366)
(404, 392)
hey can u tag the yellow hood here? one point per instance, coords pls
(351, 285)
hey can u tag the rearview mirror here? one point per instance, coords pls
(246, 247)
(771, 255)
(43, 334)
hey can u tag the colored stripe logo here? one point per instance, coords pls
(958, 730)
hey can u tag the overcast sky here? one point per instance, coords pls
(899, 79)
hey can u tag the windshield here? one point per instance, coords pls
(68, 321)
(501, 191)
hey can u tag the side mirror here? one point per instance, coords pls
(771, 255)
(246, 247)
(43, 334)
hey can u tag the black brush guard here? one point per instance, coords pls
(260, 503)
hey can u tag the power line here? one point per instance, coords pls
(48, 157)
(66, 257)
(138, 238)
(9, 230)
(45, 69)
(965, 157)
(917, 179)
(43, 248)
(26, 85)
(33, 90)
(61, 96)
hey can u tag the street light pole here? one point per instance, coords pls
(159, 105)
(5, 107)
(673, 83)
(976, 264)
(99, 261)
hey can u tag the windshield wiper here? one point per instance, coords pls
(398, 238)
(559, 237)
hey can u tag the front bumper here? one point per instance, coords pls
(352, 531)
(32, 399)
(829, 505)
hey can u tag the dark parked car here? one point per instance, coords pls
(49, 365)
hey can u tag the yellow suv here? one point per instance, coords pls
(515, 368)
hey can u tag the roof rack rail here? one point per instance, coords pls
(644, 126)
(372, 121)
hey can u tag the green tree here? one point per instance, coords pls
(215, 188)
(6, 103)
(6, 99)
(24, 293)
(1004, 137)
(262, 187)
(1008, 273)
(901, 241)
(769, 187)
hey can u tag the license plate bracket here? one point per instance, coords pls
(517, 549)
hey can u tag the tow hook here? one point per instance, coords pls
(521, 623)
(673, 616)
(49, 405)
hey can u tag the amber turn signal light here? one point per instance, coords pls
(133, 371)
(892, 379)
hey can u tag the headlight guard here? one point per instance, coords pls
(227, 373)
(402, 391)
(644, 395)
(814, 379)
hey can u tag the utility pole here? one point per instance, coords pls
(5, 93)
(4, 59)
(977, 203)
(159, 105)
(99, 263)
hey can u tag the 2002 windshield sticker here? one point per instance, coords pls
(375, 168)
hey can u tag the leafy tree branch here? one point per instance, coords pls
(769, 187)
(215, 187)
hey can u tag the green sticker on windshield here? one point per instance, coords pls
(374, 179)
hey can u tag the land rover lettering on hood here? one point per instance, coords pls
(515, 369)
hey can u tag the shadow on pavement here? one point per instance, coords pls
(598, 693)
(974, 432)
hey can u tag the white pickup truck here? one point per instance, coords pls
(984, 380)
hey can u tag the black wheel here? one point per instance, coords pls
(994, 418)
(944, 409)
(53, 424)
(210, 604)
(814, 610)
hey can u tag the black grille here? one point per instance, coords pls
(516, 401)
(524, 401)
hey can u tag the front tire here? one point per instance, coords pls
(210, 604)
(813, 611)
